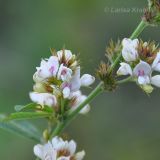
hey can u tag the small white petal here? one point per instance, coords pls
(64, 73)
(48, 68)
(155, 80)
(85, 110)
(87, 80)
(63, 158)
(142, 69)
(156, 63)
(37, 98)
(129, 51)
(58, 143)
(129, 42)
(56, 140)
(53, 65)
(50, 100)
(143, 80)
(80, 155)
(38, 151)
(75, 94)
(80, 99)
(43, 70)
(124, 69)
(67, 53)
(66, 92)
(43, 98)
(75, 81)
(72, 147)
(49, 153)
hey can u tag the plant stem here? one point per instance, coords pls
(91, 96)
(99, 89)
(72, 114)
(60, 126)
(142, 25)
(124, 80)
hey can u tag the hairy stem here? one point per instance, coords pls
(99, 89)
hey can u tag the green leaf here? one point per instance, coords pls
(48, 109)
(30, 106)
(25, 128)
(33, 106)
(28, 115)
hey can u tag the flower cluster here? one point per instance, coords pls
(141, 62)
(152, 12)
(58, 149)
(59, 78)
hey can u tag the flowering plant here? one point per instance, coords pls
(57, 94)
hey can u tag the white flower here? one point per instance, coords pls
(124, 69)
(73, 85)
(48, 68)
(75, 82)
(64, 73)
(78, 99)
(143, 72)
(67, 53)
(87, 80)
(58, 149)
(43, 99)
(155, 80)
(60, 145)
(45, 152)
(59, 76)
(129, 51)
(156, 63)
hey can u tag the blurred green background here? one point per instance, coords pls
(124, 125)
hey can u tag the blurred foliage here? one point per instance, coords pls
(123, 125)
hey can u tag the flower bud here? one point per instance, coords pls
(46, 135)
(147, 88)
(66, 92)
(155, 80)
(129, 51)
(125, 69)
(156, 63)
(87, 80)
(86, 109)
(43, 99)
(39, 87)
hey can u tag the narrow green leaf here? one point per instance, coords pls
(25, 128)
(30, 106)
(48, 109)
(27, 115)
(34, 107)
